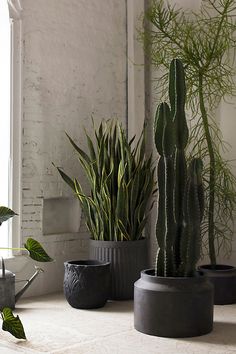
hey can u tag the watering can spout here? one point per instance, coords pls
(28, 283)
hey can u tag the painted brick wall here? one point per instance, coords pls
(74, 67)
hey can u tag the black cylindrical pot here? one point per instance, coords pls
(87, 283)
(173, 307)
(223, 277)
(127, 259)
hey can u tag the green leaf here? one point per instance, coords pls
(12, 324)
(81, 153)
(36, 251)
(66, 178)
(5, 214)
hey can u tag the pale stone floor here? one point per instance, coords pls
(52, 326)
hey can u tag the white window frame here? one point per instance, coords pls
(15, 193)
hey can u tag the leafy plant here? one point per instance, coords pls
(11, 323)
(180, 203)
(205, 42)
(121, 181)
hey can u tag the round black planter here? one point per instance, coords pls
(127, 259)
(223, 277)
(87, 283)
(173, 307)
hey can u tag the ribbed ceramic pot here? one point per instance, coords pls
(127, 259)
(87, 283)
(223, 277)
(173, 307)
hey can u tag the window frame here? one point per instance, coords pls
(15, 192)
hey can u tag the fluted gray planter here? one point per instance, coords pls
(127, 259)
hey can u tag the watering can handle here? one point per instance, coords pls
(3, 267)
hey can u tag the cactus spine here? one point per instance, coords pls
(180, 203)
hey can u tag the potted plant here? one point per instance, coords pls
(174, 300)
(8, 298)
(205, 42)
(121, 181)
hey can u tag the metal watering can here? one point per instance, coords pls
(8, 298)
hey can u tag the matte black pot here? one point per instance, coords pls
(173, 307)
(87, 283)
(223, 277)
(127, 259)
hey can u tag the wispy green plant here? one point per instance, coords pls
(121, 181)
(205, 42)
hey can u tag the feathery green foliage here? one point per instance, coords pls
(121, 181)
(205, 42)
(180, 203)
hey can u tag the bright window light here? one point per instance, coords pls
(5, 40)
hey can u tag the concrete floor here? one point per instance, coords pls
(52, 326)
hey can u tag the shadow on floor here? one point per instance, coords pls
(116, 306)
(223, 333)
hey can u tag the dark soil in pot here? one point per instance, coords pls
(87, 283)
(223, 277)
(127, 259)
(173, 307)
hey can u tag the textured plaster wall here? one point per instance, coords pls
(74, 66)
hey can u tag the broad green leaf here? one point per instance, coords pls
(5, 214)
(12, 324)
(36, 251)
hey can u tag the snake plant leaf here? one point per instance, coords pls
(36, 251)
(12, 324)
(81, 153)
(66, 178)
(5, 214)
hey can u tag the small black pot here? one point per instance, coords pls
(223, 277)
(127, 259)
(87, 283)
(173, 307)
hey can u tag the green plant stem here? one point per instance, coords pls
(204, 115)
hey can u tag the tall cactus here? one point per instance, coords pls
(192, 214)
(166, 227)
(177, 229)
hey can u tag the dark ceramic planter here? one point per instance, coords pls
(87, 283)
(223, 277)
(173, 307)
(127, 259)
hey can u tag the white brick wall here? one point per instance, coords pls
(74, 66)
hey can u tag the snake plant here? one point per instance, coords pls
(121, 181)
(180, 204)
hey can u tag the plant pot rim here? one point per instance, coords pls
(143, 239)
(86, 263)
(145, 274)
(224, 268)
